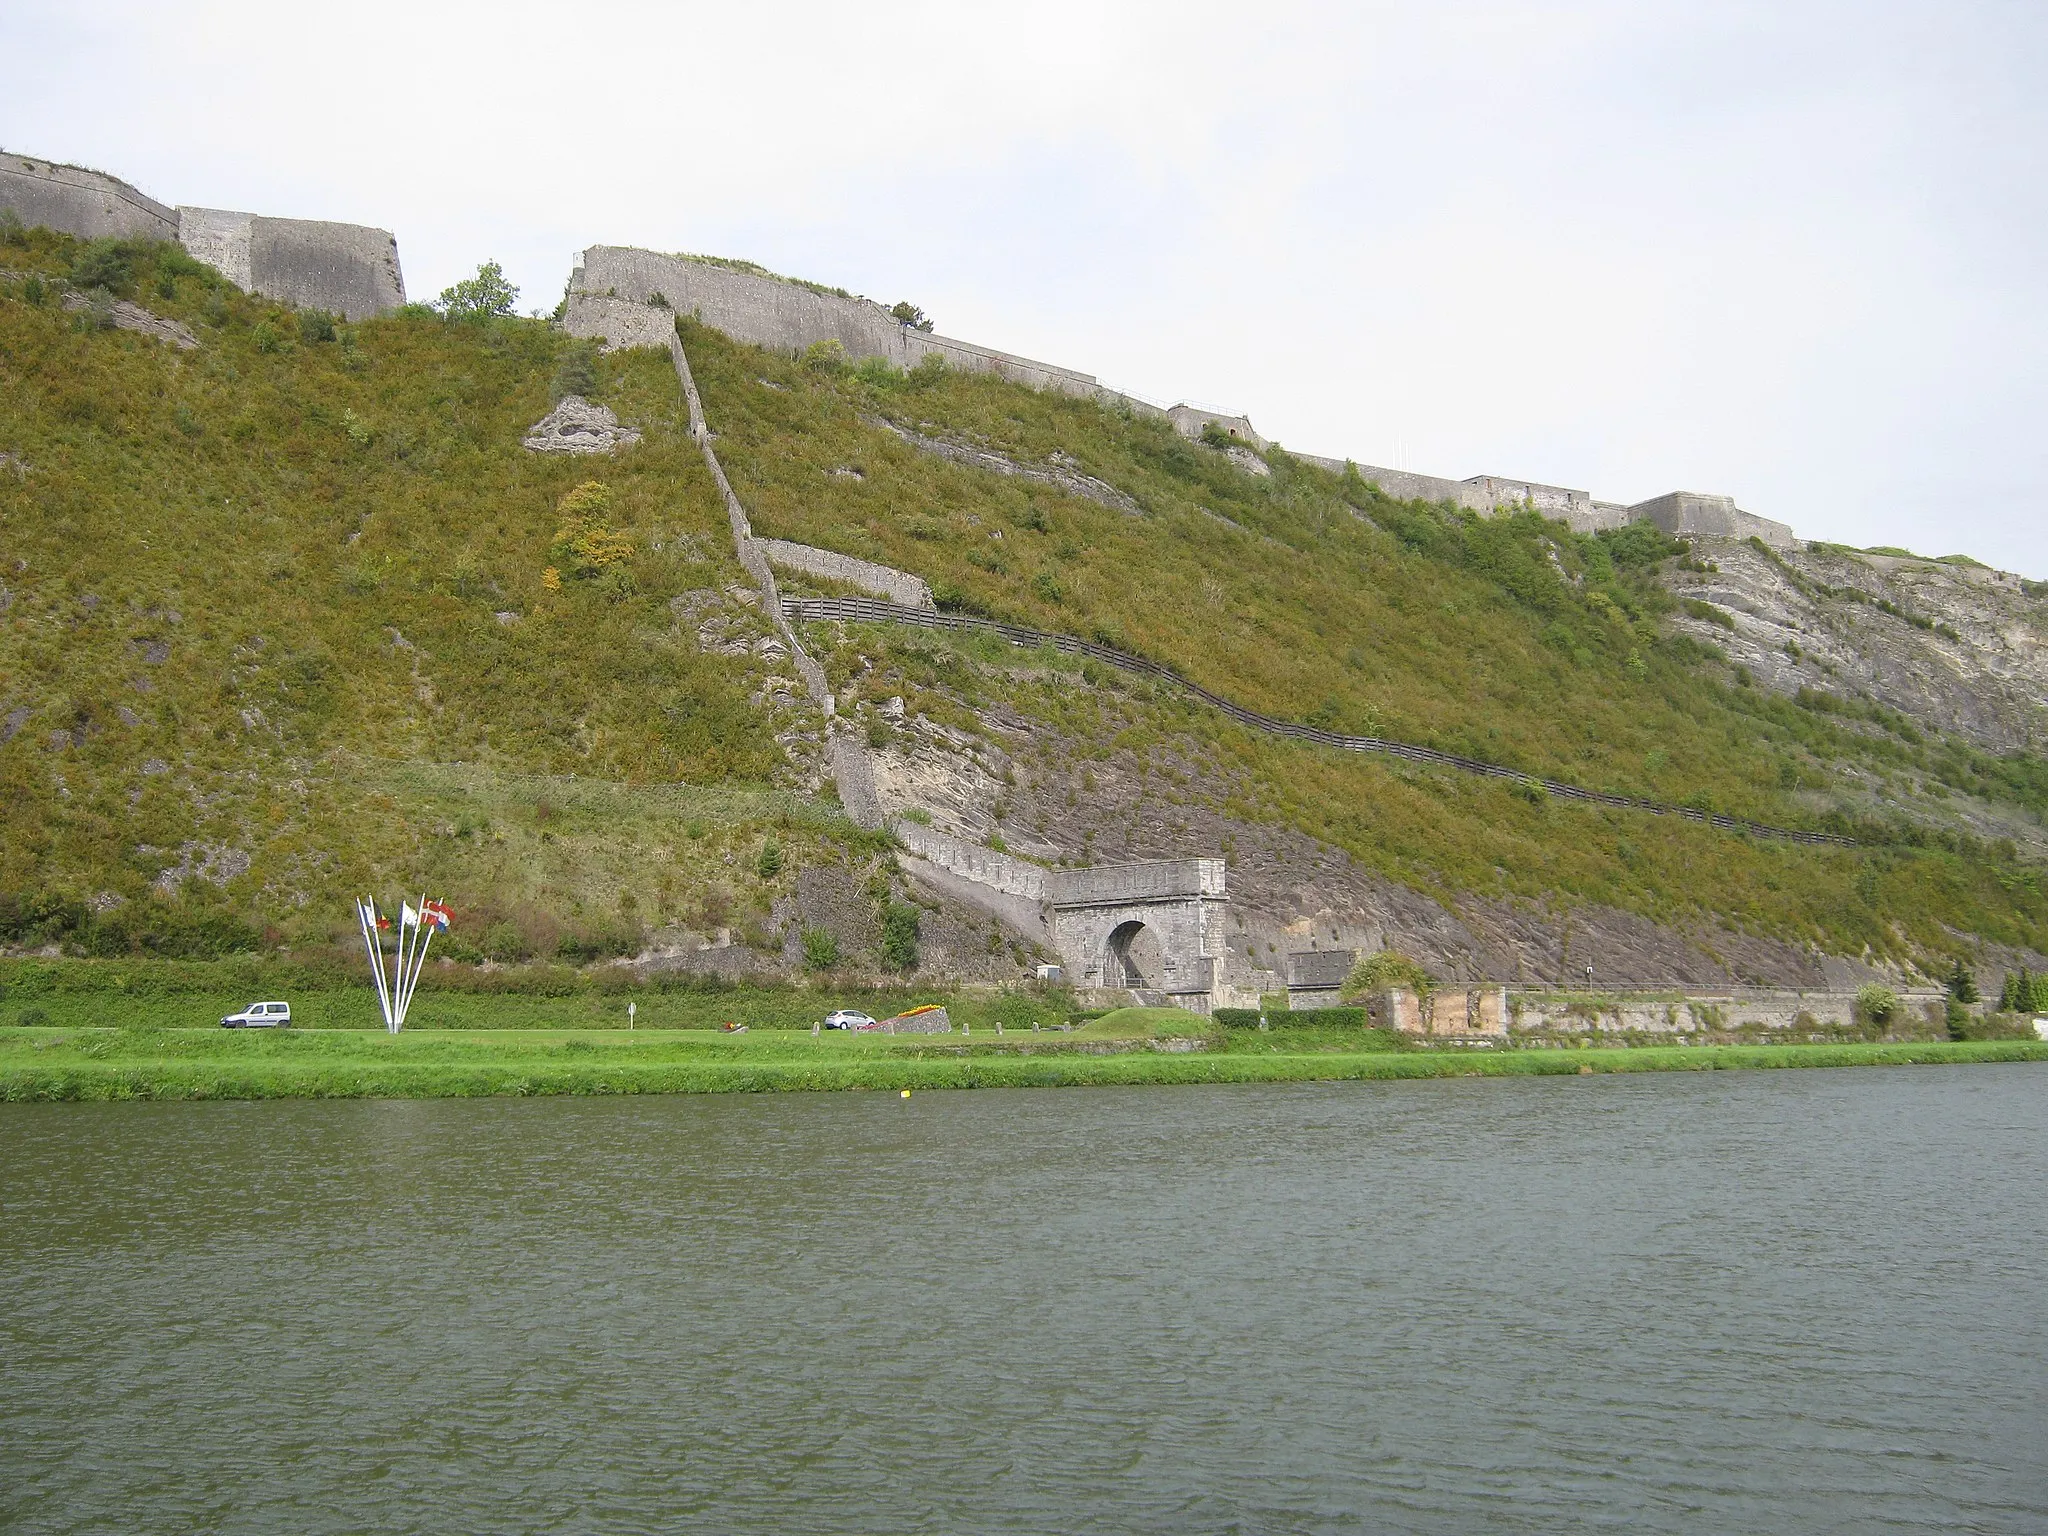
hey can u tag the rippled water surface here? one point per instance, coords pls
(1771, 1301)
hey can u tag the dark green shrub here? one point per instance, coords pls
(899, 936)
(504, 943)
(769, 865)
(575, 372)
(315, 325)
(1237, 1018)
(108, 264)
(821, 950)
(32, 1018)
(32, 290)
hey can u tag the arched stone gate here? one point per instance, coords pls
(1160, 921)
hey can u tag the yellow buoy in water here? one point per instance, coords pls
(906, 1093)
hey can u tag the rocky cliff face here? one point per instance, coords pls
(1958, 649)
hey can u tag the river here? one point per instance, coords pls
(1722, 1301)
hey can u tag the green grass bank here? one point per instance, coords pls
(47, 1064)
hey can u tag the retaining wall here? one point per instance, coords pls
(75, 201)
(882, 580)
(1688, 512)
(347, 269)
(1711, 1013)
(984, 866)
(788, 317)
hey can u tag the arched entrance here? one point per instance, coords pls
(1134, 958)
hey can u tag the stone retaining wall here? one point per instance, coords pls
(882, 580)
(75, 201)
(1710, 1013)
(347, 269)
(984, 866)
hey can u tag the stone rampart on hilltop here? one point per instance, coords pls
(785, 316)
(347, 269)
(75, 201)
(344, 268)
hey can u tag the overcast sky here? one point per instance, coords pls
(1796, 253)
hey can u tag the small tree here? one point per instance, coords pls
(908, 314)
(486, 296)
(585, 544)
(899, 936)
(1876, 1002)
(1962, 984)
(1387, 968)
(821, 949)
(769, 865)
(108, 264)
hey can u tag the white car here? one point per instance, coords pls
(846, 1018)
(260, 1016)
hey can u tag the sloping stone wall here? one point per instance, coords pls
(347, 269)
(75, 201)
(882, 580)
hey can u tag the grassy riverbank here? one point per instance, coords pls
(53, 1064)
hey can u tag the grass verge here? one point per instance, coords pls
(47, 1064)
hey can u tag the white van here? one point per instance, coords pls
(260, 1016)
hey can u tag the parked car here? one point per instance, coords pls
(846, 1018)
(260, 1016)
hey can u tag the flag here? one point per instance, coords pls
(407, 916)
(383, 922)
(435, 913)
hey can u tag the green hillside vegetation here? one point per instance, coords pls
(255, 585)
(1312, 596)
(277, 625)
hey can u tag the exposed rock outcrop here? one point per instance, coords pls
(1955, 648)
(578, 425)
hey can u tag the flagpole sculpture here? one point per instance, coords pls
(416, 929)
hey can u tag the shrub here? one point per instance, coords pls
(769, 865)
(268, 338)
(825, 357)
(1236, 1018)
(1962, 984)
(315, 325)
(575, 372)
(899, 936)
(32, 290)
(585, 544)
(486, 296)
(504, 943)
(1876, 1003)
(108, 264)
(821, 950)
(908, 314)
(11, 230)
(1387, 968)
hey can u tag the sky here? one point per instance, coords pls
(1795, 253)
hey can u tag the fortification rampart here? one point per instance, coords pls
(348, 269)
(344, 268)
(75, 201)
(785, 316)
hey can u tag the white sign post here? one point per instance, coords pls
(416, 929)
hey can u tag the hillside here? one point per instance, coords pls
(278, 626)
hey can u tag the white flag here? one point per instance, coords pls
(407, 916)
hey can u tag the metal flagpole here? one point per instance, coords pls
(366, 916)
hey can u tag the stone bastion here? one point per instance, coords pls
(347, 269)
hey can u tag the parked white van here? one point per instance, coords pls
(260, 1016)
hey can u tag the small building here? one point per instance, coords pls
(1315, 977)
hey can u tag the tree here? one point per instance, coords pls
(483, 297)
(909, 314)
(1962, 985)
(899, 936)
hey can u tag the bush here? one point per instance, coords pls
(108, 264)
(910, 315)
(504, 943)
(315, 325)
(585, 544)
(821, 950)
(486, 296)
(1387, 968)
(1237, 1018)
(769, 865)
(1876, 1003)
(575, 372)
(899, 936)
(1962, 984)
(825, 357)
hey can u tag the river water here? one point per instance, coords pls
(1768, 1301)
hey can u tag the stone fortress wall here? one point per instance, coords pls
(347, 269)
(616, 292)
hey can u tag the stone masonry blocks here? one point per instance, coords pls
(75, 201)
